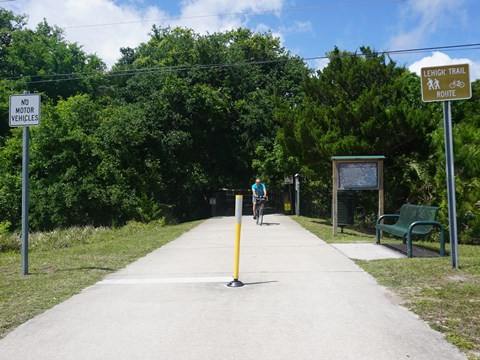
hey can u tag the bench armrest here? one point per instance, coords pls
(433, 223)
(386, 216)
(378, 233)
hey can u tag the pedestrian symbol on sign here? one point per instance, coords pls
(433, 84)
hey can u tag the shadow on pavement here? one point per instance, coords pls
(260, 282)
(418, 251)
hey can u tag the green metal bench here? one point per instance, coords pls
(412, 220)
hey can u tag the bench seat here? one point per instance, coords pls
(412, 220)
(402, 231)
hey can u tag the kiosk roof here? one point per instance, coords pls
(368, 157)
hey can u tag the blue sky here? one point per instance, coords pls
(306, 27)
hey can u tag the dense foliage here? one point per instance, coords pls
(359, 105)
(367, 105)
(183, 115)
(155, 136)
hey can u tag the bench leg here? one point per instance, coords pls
(409, 245)
(377, 236)
(442, 241)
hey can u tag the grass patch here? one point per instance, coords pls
(323, 229)
(448, 299)
(64, 262)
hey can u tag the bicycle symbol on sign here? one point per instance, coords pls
(457, 84)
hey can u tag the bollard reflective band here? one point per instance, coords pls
(238, 227)
(238, 208)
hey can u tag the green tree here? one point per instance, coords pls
(9, 24)
(172, 128)
(360, 104)
(42, 61)
(210, 100)
(466, 138)
(47, 63)
(63, 169)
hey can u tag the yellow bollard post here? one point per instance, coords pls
(238, 228)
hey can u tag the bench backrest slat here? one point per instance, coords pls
(411, 213)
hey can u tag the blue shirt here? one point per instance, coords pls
(260, 190)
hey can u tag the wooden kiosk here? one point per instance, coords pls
(356, 173)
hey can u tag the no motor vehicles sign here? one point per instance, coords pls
(24, 110)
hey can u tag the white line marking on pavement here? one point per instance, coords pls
(190, 280)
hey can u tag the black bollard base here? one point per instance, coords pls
(235, 283)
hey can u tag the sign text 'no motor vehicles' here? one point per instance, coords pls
(24, 110)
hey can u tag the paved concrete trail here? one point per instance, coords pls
(303, 300)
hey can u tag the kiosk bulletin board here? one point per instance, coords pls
(356, 173)
(358, 176)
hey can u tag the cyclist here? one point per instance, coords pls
(258, 190)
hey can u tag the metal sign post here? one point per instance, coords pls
(446, 83)
(24, 112)
(25, 159)
(297, 194)
(452, 209)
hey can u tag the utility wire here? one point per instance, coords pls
(259, 12)
(179, 68)
(260, 62)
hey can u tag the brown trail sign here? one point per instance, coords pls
(446, 83)
(443, 83)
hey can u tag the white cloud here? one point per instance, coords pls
(105, 40)
(298, 27)
(318, 64)
(130, 24)
(438, 59)
(321, 64)
(421, 18)
(237, 13)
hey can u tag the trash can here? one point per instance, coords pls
(346, 206)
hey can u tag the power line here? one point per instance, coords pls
(179, 68)
(259, 12)
(449, 47)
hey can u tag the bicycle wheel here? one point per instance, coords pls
(260, 217)
(257, 213)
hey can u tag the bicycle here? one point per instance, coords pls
(260, 200)
(457, 84)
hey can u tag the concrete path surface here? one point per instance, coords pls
(303, 300)
(372, 251)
